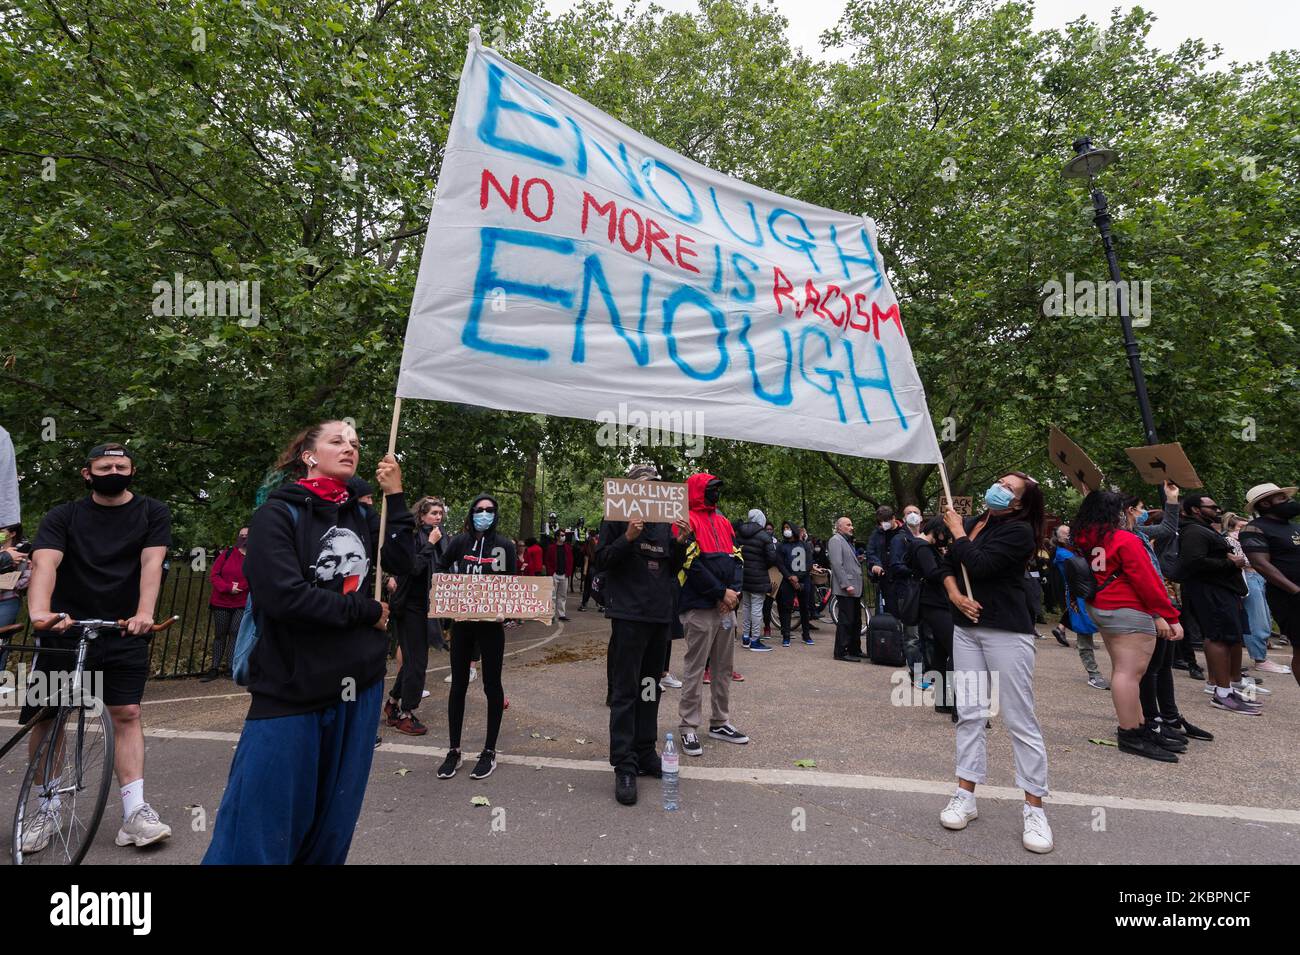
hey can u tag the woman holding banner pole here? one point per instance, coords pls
(993, 647)
(478, 549)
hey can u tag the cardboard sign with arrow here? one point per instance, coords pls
(1160, 462)
(1070, 459)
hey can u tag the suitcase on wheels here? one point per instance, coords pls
(885, 640)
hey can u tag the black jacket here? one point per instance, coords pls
(477, 552)
(926, 563)
(311, 582)
(758, 551)
(1203, 558)
(996, 562)
(410, 557)
(788, 552)
(640, 575)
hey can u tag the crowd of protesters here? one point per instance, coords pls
(966, 595)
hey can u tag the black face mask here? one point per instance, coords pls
(1284, 511)
(109, 485)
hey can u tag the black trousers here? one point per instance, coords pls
(937, 621)
(848, 631)
(413, 640)
(636, 658)
(785, 607)
(586, 587)
(1157, 687)
(469, 639)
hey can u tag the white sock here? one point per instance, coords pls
(52, 803)
(1221, 692)
(966, 794)
(132, 798)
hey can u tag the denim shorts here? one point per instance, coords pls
(1124, 620)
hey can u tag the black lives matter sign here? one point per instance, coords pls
(655, 502)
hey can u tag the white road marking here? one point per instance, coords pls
(790, 777)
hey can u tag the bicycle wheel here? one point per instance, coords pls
(65, 789)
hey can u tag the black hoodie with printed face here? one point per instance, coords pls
(478, 552)
(310, 568)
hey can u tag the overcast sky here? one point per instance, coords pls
(1246, 29)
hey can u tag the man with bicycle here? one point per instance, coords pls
(101, 557)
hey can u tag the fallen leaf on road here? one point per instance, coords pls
(401, 772)
(1104, 742)
(536, 735)
(582, 741)
(805, 763)
(480, 801)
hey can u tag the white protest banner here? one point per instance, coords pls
(656, 502)
(487, 596)
(572, 264)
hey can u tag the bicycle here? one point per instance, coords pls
(66, 785)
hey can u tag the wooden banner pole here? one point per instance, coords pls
(383, 507)
(947, 491)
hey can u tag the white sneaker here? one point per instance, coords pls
(143, 828)
(473, 675)
(959, 811)
(1248, 687)
(41, 829)
(1268, 666)
(1038, 834)
(672, 681)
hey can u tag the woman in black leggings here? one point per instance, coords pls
(478, 549)
(1156, 690)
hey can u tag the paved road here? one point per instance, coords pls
(882, 773)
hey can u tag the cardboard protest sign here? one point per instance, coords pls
(570, 262)
(965, 506)
(1071, 461)
(1158, 463)
(656, 502)
(487, 596)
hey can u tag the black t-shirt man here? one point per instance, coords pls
(1277, 540)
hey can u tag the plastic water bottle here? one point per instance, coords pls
(728, 620)
(669, 760)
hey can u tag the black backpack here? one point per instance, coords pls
(1079, 578)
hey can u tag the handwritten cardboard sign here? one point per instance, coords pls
(487, 596)
(1071, 461)
(1160, 462)
(965, 506)
(656, 502)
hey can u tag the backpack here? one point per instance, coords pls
(249, 631)
(1079, 578)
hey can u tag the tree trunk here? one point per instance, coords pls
(528, 497)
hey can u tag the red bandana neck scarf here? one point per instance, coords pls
(327, 488)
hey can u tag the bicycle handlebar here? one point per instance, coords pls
(99, 624)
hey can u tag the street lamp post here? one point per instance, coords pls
(1087, 162)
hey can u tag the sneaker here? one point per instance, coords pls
(487, 761)
(959, 811)
(143, 828)
(562, 619)
(1098, 681)
(736, 677)
(453, 762)
(1140, 743)
(767, 632)
(807, 641)
(1180, 664)
(1246, 687)
(1253, 704)
(1193, 732)
(671, 681)
(1268, 666)
(209, 676)
(38, 833)
(785, 641)
(624, 787)
(1059, 632)
(1195, 672)
(691, 744)
(409, 724)
(922, 683)
(1171, 743)
(728, 733)
(744, 641)
(707, 679)
(1037, 836)
(391, 713)
(758, 646)
(1234, 704)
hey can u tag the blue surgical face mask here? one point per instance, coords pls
(998, 497)
(1143, 516)
(482, 521)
